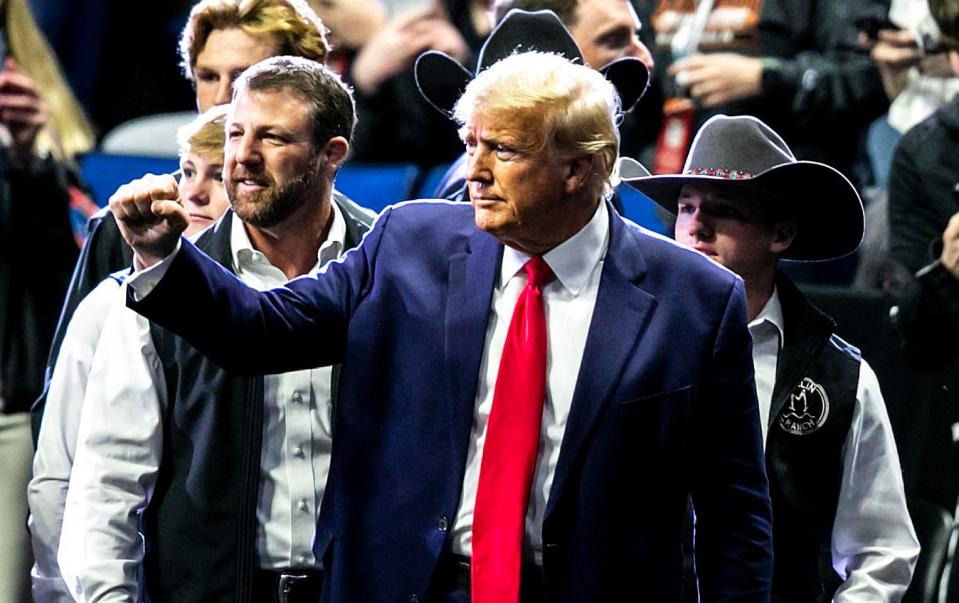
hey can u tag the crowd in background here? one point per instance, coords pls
(865, 87)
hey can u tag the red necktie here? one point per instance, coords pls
(512, 439)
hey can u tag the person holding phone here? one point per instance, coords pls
(915, 70)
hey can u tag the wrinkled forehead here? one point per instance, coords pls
(518, 127)
(274, 103)
(480, 128)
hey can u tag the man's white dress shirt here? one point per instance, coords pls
(569, 301)
(120, 442)
(56, 442)
(874, 546)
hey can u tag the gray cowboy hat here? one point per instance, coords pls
(441, 79)
(742, 152)
(630, 168)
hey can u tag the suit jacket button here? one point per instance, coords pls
(443, 524)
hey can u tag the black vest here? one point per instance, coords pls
(811, 412)
(200, 525)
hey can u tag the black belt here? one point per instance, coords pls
(453, 573)
(287, 585)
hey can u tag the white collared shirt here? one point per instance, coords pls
(569, 301)
(297, 425)
(113, 478)
(57, 439)
(767, 333)
(874, 546)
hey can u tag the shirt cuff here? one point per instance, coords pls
(144, 280)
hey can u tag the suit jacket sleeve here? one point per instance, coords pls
(730, 491)
(298, 326)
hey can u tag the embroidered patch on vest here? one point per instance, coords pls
(806, 410)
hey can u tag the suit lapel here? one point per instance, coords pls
(622, 309)
(215, 241)
(472, 275)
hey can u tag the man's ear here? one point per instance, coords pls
(954, 61)
(576, 173)
(783, 235)
(334, 152)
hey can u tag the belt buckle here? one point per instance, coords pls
(285, 585)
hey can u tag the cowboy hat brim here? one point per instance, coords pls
(440, 78)
(823, 203)
(630, 78)
(630, 168)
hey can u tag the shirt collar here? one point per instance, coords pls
(245, 255)
(573, 260)
(771, 314)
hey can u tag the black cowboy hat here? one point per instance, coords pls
(441, 79)
(744, 153)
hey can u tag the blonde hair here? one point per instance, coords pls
(68, 132)
(292, 23)
(205, 135)
(556, 105)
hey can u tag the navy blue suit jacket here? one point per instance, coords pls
(664, 406)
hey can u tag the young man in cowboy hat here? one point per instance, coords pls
(841, 530)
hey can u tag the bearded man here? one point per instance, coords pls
(229, 492)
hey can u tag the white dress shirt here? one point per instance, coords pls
(874, 546)
(120, 445)
(57, 439)
(569, 301)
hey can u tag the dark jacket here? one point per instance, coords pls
(923, 196)
(664, 406)
(200, 525)
(37, 252)
(811, 411)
